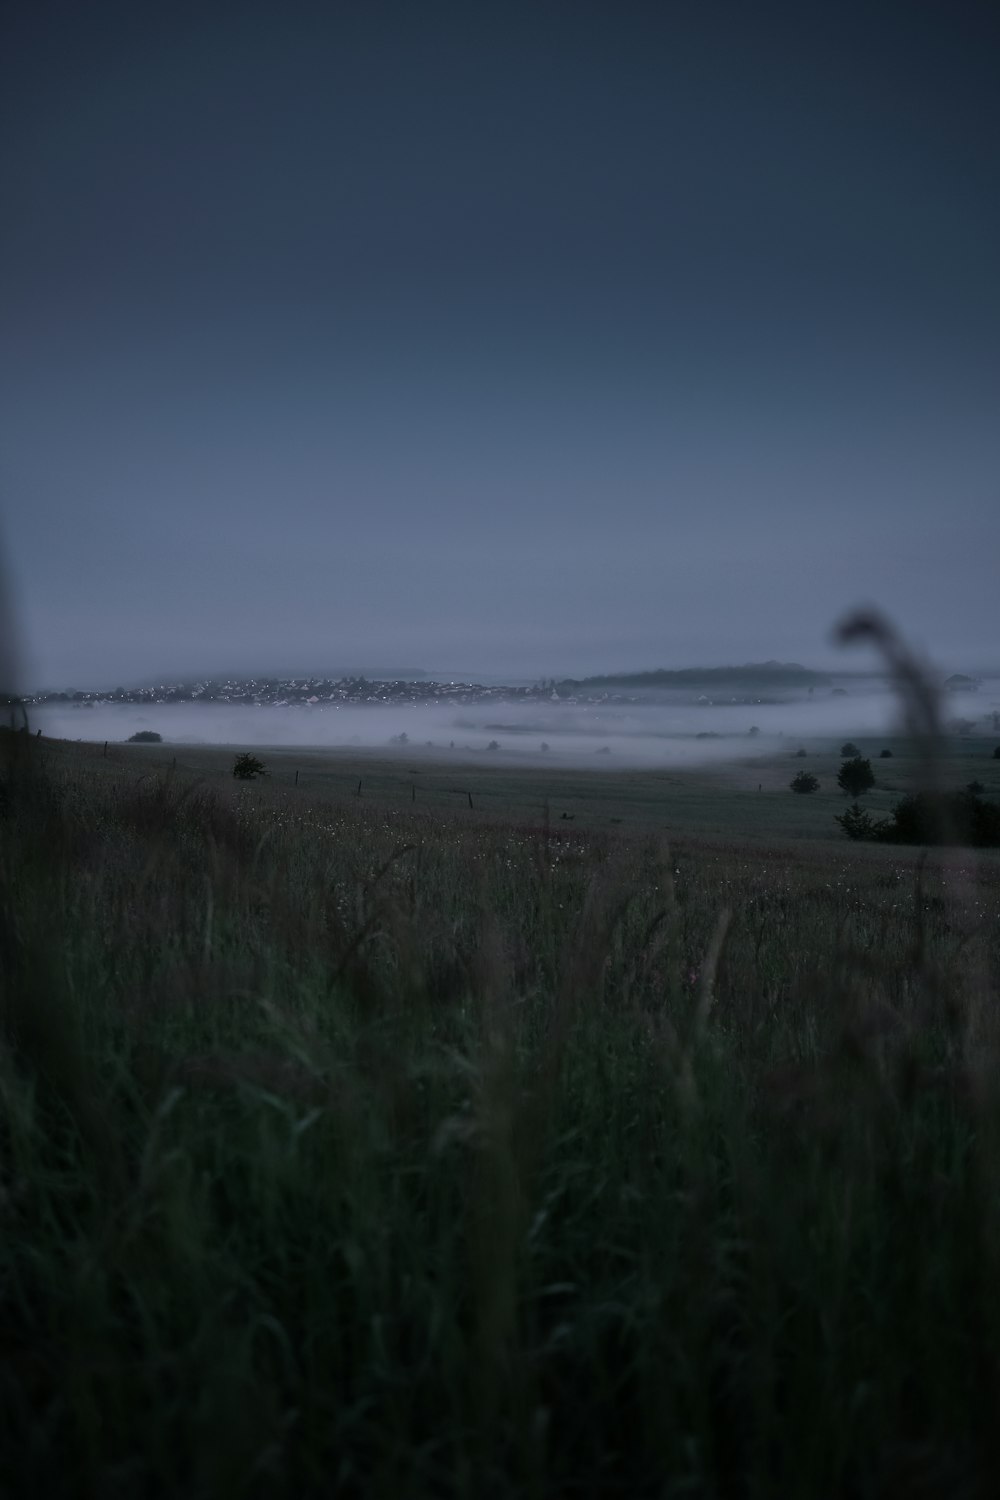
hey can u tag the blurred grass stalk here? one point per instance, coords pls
(917, 687)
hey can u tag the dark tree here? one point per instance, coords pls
(944, 818)
(856, 777)
(246, 767)
(145, 737)
(803, 782)
(849, 750)
(885, 755)
(800, 754)
(858, 824)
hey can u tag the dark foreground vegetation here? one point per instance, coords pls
(960, 818)
(349, 1150)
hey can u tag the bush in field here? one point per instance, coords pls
(979, 819)
(996, 753)
(850, 750)
(856, 777)
(858, 824)
(145, 737)
(804, 782)
(800, 754)
(916, 819)
(885, 755)
(948, 818)
(246, 767)
(963, 818)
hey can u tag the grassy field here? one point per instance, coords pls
(747, 799)
(383, 1145)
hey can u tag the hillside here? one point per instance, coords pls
(764, 676)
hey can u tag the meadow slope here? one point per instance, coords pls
(383, 1145)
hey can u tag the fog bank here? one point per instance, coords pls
(669, 731)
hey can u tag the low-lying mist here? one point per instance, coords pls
(671, 730)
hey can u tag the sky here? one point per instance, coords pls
(536, 339)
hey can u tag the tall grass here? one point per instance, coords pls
(353, 1152)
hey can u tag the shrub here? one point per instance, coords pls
(916, 819)
(977, 821)
(858, 824)
(996, 753)
(885, 755)
(246, 767)
(930, 818)
(976, 788)
(799, 754)
(804, 782)
(493, 745)
(850, 750)
(145, 737)
(856, 777)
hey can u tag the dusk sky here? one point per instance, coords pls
(512, 338)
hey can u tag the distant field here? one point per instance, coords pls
(749, 799)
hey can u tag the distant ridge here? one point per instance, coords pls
(766, 674)
(381, 674)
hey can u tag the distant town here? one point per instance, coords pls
(285, 692)
(761, 683)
